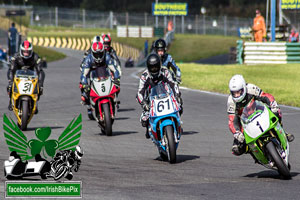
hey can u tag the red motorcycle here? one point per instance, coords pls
(103, 99)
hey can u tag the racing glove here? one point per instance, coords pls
(86, 88)
(117, 82)
(178, 79)
(274, 106)
(145, 105)
(239, 136)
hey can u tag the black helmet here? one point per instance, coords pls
(160, 44)
(153, 66)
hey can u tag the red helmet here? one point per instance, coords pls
(98, 52)
(106, 41)
(26, 49)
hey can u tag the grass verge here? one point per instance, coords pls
(190, 47)
(282, 81)
(185, 47)
(49, 54)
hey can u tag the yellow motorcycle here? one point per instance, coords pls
(24, 96)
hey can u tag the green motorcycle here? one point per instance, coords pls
(265, 138)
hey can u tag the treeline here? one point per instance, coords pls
(240, 8)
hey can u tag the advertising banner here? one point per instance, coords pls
(169, 9)
(290, 4)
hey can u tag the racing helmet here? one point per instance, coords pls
(160, 45)
(26, 49)
(237, 87)
(106, 41)
(153, 66)
(97, 38)
(98, 52)
(78, 152)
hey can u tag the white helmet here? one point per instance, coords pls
(78, 152)
(97, 38)
(237, 83)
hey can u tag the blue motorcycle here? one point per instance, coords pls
(164, 121)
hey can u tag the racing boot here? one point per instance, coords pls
(147, 134)
(290, 137)
(238, 148)
(36, 110)
(9, 106)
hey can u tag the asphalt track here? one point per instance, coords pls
(127, 166)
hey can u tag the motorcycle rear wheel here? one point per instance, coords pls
(171, 148)
(107, 119)
(279, 162)
(60, 172)
(24, 117)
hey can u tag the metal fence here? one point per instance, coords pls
(194, 24)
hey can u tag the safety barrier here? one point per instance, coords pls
(123, 51)
(271, 52)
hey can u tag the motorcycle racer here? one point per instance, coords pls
(160, 47)
(149, 78)
(111, 52)
(89, 50)
(96, 59)
(25, 59)
(71, 158)
(241, 93)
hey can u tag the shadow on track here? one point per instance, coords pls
(268, 174)
(189, 132)
(52, 127)
(122, 118)
(123, 133)
(117, 133)
(126, 109)
(181, 158)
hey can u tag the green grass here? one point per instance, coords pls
(282, 81)
(185, 47)
(49, 54)
(189, 47)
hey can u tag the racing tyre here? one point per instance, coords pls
(24, 117)
(279, 162)
(60, 172)
(107, 119)
(171, 147)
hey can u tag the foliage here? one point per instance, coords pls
(242, 8)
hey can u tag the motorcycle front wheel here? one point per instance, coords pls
(279, 162)
(24, 117)
(60, 172)
(107, 119)
(171, 147)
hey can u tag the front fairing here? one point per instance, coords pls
(260, 126)
(164, 111)
(25, 84)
